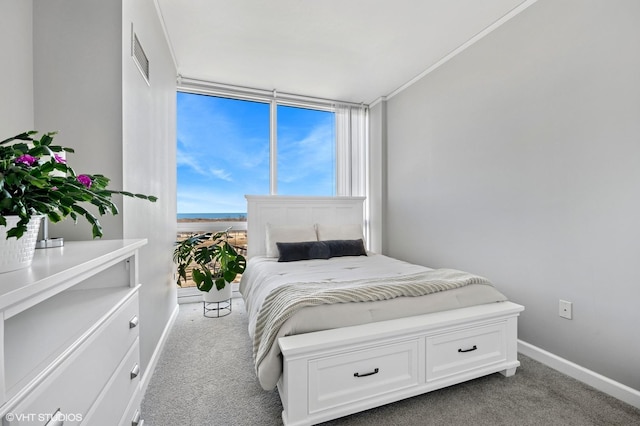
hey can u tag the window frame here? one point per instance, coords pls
(274, 100)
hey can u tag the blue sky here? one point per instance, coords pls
(223, 152)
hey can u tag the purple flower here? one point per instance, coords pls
(59, 159)
(26, 159)
(85, 180)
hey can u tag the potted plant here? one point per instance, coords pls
(37, 182)
(214, 263)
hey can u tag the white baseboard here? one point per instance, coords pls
(148, 372)
(591, 378)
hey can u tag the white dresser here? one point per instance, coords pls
(69, 337)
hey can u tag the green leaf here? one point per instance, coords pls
(17, 231)
(22, 136)
(221, 283)
(96, 228)
(229, 276)
(54, 217)
(203, 279)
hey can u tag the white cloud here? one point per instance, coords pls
(192, 161)
(221, 174)
(202, 199)
(188, 160)
(312, 154)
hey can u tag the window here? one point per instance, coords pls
(237, 141)
(222, 154)
(306, 151)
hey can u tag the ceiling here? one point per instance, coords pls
(349, 50)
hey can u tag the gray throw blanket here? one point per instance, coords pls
(284, 301)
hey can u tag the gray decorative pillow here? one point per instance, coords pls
(338, 248)
(305, 250)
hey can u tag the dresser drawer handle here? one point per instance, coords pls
(133, 322)
(366, 374)
(135, 372)
(55, 420)
(468, 350)
(135, 421)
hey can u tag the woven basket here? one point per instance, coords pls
(18, 253)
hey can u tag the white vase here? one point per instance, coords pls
(214, 295)
(18, 253)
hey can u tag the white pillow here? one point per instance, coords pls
(352, 231)
(287, 234)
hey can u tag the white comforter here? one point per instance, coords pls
(263, 274)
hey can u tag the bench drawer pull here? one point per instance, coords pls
(366, 374)
(468, 350)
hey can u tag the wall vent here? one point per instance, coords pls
(139, 57)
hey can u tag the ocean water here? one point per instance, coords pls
(217, 216)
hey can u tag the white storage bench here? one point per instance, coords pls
(333, 373)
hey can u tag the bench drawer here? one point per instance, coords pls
(461, 351)
(352, 376)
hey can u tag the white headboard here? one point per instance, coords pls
(294, 210)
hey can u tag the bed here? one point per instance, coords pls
(331, 323)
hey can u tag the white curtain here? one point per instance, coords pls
(351, 150)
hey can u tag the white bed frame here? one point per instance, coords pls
(333, 373)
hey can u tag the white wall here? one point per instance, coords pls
(16, 72)
(377, 175)
(518, 160)
(149, 165)
(88, 89)
(78, 92)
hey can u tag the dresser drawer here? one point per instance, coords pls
(121, 388)
(461, 351)
(352, 376)
(74, 386)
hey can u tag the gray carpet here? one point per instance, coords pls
(205, 377)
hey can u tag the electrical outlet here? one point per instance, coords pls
(565, 309)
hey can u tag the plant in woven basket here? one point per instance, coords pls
(35, 179)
